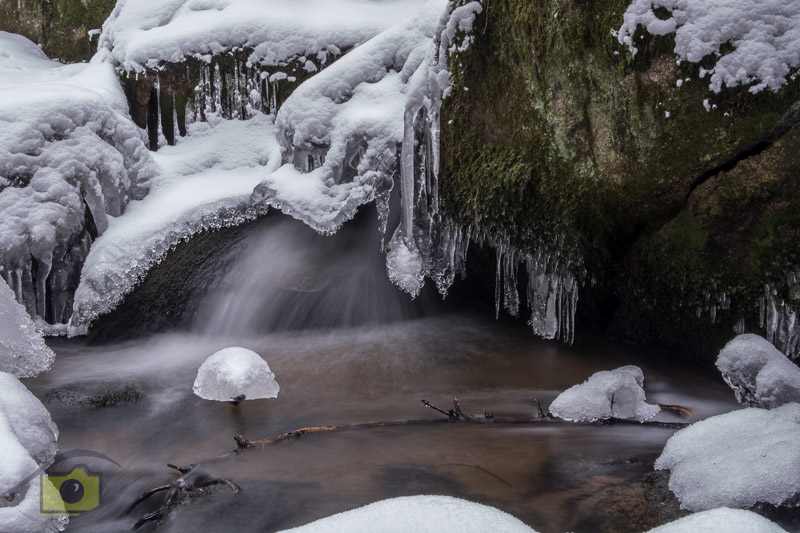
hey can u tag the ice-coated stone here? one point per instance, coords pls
(233, 372)
(736, 459)
(607, 394)
(759, 374)
(23, 352)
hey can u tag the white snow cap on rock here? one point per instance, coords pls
(759, 374)
(607, 394)
(419, 514)
(765, 35)
(232, 372)
(23, 352)
(736, 459)
(722, 520)
(28, 446)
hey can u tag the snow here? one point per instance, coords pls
(419, 514)
(764, 35)
(141, 33)
(205, 181)
(232, 372)
(23, 352)
(607, 394)
(722, 520)
(28, 441)
(736, 459)
(759, 374)
(67, 148)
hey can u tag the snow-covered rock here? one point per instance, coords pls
(759, 374)
(69, 158)
(23, 352)
(141, 33)
(736, 459)
(419, 514)
(234, 372)
(764, 35)
(28, 443)
(607, 394)
(722, 520)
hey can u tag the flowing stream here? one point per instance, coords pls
(347, 348)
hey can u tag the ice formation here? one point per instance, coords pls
(764, 36)
(759, 374)
(779, 319)
(722, 520)
(419, 514)
(203, 182)
(28, 440)
(23, 352)
(141, 33)
(736, 459)
(69, 159)
(607, 394)
(233, 372)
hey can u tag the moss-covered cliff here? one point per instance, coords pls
(555, 130)
(60, 26)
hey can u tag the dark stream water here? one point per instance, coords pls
(349, 348)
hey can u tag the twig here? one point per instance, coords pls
(539, 407)
(679, 410)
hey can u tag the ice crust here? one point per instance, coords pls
(759, 374)
(203, 182)
(736, 459)
(722, 520)
(764, 34)
(69, 159)
(23, 352)
(607, 394)
(419, 514)
(232, 372)
(28, 443)
(142, 33)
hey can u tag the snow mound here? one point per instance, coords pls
(759, 374)
(23, 352)
(764, 35)
(721, 520)
(736, 459)
(607, 394)
(419, 514)
(204, 182)
(69, 158)
(233, 372)
(28, 441)
(141, 33)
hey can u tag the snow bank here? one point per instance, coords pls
(203, 182)
(419, 514)
(23, 352)
(764, 34)
(234, 372)
(141, 33)
(736, 459)
(607, 394)
(721, 520)
(69, 158)
(759, 374)
(28, 442)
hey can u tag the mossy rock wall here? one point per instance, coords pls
(555, 133)
(60, 26)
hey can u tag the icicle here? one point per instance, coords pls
(497, 281)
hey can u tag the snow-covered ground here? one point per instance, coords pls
(722, 520)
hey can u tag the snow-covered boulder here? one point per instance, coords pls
(234, 372)
(28, 443)
(722, 520)
(419, 514)
(69, 158)
(759, 374)
(23, 352)
(607, 394)
(736, 459)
